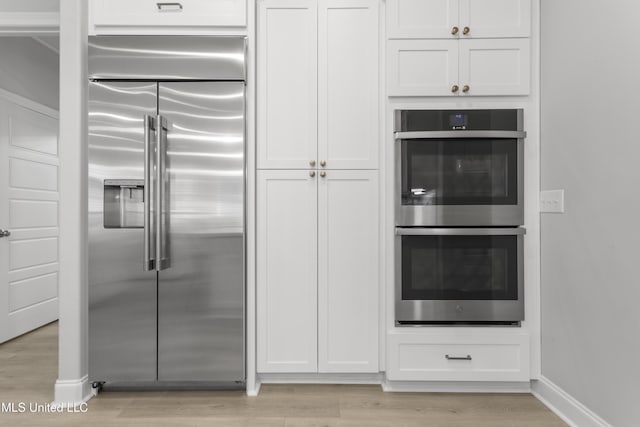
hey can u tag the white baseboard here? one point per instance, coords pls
(69, 393)
(307, 378)
(564, 405)
(256, 390)
(456, 386)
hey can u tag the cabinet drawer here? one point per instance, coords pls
(184, 13)
(466, 357)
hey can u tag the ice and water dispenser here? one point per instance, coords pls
(124, 203)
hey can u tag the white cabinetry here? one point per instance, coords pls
(429, 19)
(458, 355)
(152, 16)
(318, 192)
(459, 47)
(318, 84)
(459, 68)
(317, 291)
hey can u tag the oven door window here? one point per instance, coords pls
(459, 268)
(459, 172)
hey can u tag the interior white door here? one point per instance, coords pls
(348, 271)
(29, 212)
(287, 271)
(348, 84)
(287, 119)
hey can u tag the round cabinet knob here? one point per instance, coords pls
(323, 163)
(466, 30)
(312, 162)
(465, 88)
(454, 30)
(5, 233)
(312, 173)
(454, 88)
(323, 174)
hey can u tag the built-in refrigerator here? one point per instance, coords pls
(166, 150)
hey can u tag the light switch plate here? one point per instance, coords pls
(552, 201)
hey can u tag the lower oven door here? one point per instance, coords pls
(459, 275)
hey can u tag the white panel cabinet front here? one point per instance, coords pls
(287, 84)
(348, 85)
(154, 13)
(458, 19)
(318, 84)
(287, 271)
(494, 67)
(455, 356)
(423, 67)
(348, 274)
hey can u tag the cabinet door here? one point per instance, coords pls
(348, 272)
(348, 84)
(287, 84)
(423, 67)
(421, 19)
(150, 13)
(287, 271)
(495, 18)
(495, 66)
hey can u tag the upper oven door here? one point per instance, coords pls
(459, 178)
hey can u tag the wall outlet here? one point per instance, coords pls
(552, 201)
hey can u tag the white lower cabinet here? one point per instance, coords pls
(318, 270)
(458, 356)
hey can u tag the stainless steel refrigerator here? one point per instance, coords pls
(166, 151)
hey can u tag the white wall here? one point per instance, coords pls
(29, 69)
(29, 5)
(591, 255)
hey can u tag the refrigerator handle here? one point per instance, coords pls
(162, 187)
(149, 250)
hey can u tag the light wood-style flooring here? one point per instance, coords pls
(28, 370)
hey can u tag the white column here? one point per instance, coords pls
(72, 385)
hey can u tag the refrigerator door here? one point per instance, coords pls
(122, 295)
(201, 294)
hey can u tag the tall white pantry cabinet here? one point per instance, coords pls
(318, 238)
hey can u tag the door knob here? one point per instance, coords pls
(5, 233)
(454, 30)
(465, 88)
(454, 88)
(466, 30)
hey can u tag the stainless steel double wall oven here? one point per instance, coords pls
(459, 211)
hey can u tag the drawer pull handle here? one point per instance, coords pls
(169, 7)
(467, 357)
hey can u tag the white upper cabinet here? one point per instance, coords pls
(287, 84)
(494, 67)
(421, 18)
(159, 17)
(318, 84)
(348, 84)
(458, 18)
(495, 18)
(423, 67)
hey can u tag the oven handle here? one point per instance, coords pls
(420, 231)
(502, 134)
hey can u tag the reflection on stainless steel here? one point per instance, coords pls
(184, 324)
(167, 58)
